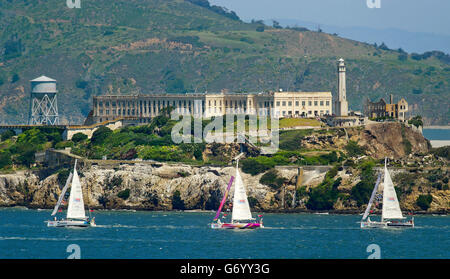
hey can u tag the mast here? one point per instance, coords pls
(224, 199)
(61, 196)
(372, 197)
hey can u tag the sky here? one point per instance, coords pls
(429, 16)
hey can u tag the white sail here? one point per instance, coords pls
(241, 208)
(372, 197)
(391, 206)
(76, 203)
(63, 192)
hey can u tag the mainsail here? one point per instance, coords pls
(224, 198)
(76, 204)
(391, 207)
(372, 197)
(63, 192)
(241, 208)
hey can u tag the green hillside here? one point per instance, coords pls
(154, 46)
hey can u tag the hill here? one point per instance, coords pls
(154, 46)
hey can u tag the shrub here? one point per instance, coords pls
(7, 135)
(99, 136)
(416, 121)
(353, 149)
(5, 159)
(272, 179)
(325, 195)
(125, 194)
(79, 137)
(424, 201)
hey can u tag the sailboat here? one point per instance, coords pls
(241, 217)
(391, 214)
(76, 216)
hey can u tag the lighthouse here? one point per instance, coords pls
(340, 103)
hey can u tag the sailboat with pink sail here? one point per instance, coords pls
(241, 217)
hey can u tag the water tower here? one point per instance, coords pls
(43, 105)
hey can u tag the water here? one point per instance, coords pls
(436, 134)
(173, 235)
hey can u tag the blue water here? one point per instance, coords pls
(172, 235)
(436, 134)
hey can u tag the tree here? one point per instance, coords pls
(125, 194)
(79, 137)
(260, 28)
(7, 135)
(99, 136)
(276, 24)
(424, 201)
(5, 159)
(353, 149)
(416, 121)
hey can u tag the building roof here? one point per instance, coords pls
(43, 78)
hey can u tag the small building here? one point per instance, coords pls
(382, 109)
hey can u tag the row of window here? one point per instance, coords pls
(304, 113)
(297, 103)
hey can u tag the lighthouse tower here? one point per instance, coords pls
(340, 103)
(43, 105)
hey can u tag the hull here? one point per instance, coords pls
(68, 223)
(240, 226)
(386, 224)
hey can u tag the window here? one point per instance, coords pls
(321, 103)
(315, 103)
(303, 103)
(309, 103)
(289, 103)
(278, 104)
(296, 103)
(284, 103)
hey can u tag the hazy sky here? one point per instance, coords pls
(432, 16)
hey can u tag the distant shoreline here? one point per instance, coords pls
(437, 127)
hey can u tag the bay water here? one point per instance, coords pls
(187, 235)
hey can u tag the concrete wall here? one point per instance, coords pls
(89, 130)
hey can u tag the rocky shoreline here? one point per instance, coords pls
(171, 187)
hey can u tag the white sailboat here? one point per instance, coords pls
(76, 216)
(391, 214)
(241, 216)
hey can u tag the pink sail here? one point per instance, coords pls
(224, 198)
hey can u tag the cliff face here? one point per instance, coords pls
(154, 188)
(379, 140)
(392, 140)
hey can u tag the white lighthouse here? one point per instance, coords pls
(340, 103)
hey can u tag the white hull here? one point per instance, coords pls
(68, 223)
(387, 224)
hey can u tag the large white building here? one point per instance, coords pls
(144, 107)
